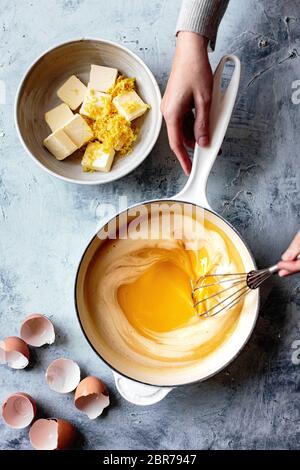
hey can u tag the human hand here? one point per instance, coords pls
(289, 263)
(189, 86)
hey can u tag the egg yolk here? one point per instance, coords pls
(159, 300)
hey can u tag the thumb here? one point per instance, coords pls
(201, 126)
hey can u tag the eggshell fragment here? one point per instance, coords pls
(63, 375)
(91, 397)
(37, 330)
(14, 352)
(18, 410)
(51, 434)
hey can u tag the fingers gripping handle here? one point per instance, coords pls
(274, 269)
(220, 113)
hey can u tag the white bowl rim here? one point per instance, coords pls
(129, 169)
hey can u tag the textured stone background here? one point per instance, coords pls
(45, 224)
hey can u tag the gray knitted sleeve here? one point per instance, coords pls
(202, 17)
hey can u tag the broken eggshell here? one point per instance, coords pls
(18, 410)
(37, 330)
(14, 352)
(91, 397)
(51, 434)
(63, 375)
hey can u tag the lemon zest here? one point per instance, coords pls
(110, 128)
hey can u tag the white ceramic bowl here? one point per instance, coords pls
(37, 94)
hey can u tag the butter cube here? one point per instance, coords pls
(78, 130)
(72, 92)
(102, 78)
(93, 102)
(59, 144)
(130, 105)
(96, 158)
(58, 116)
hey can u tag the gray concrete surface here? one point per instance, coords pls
(45, 224)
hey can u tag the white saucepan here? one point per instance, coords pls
(142, 385)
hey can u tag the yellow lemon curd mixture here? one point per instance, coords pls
(139, 296)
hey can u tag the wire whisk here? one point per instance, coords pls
(227, 289)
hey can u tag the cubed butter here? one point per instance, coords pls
(102, 78)
(130, 105)
(72, 92)
(96, 158)
(78, 130)
(58, 116)
(59, 144)
(93, 102)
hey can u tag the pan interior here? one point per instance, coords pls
(166, 347)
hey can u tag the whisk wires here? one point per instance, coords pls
(224, 295)
(237, 282)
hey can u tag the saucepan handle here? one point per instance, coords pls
(138, 393)
(221, 109)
